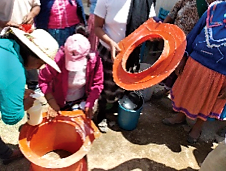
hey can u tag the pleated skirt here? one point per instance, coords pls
(195, 92)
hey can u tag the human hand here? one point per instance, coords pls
(157, 20)
(28, 92)
(12, 24)
(54, 108)
(179, 69)
(28, 19)
(28, 102)
(222, 93)
(89, 112)
(52, 113)
(114, 48)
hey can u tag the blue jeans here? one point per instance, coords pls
(61, 35)
(5, 151)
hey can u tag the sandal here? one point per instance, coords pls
(103, 126)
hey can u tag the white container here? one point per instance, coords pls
(34, 114)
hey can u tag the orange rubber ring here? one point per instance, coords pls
(174, 48)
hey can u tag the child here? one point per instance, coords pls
(81, 77)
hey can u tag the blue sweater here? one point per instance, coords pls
(206, 43)
(42, 19)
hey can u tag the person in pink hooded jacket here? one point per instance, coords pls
(80, 80)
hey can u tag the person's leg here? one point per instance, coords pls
(61, 35)
(169, 81)
(5, 151)
(55, 34)
(133, 62)
(222, 132)
(168, 84)
(65, 33)
(196, 131)
(110, 93)
(7, 154)
(176, 119)
(101, 109)
(101, 119)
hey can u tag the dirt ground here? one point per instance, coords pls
(152, 146)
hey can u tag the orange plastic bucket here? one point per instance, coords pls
(174, 48)
(70, 132)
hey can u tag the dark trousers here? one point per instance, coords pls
(111, 92)
(102, 102)
(170, 80)
(5, 151)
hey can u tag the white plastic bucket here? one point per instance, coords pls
(34, 114)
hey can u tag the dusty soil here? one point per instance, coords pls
(151, 146)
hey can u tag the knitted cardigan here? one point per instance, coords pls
(206, 43)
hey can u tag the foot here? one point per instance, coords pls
(15, 155)
(193, 136)
(195, 132)
(161, 93)
(112, 107)
(178, 119)
(103, 126)
(222, 132)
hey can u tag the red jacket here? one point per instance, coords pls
(57, 83)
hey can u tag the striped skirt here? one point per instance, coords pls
(111, 92)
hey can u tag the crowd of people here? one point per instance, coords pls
(70, 59)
